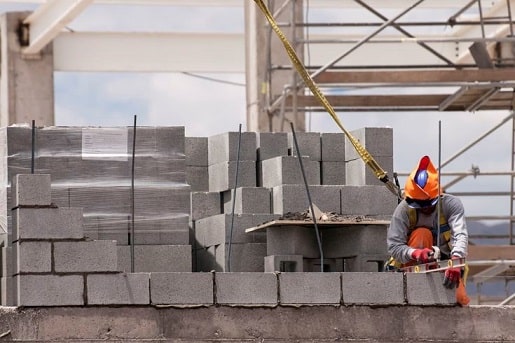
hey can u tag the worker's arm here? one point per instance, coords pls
(456, 220)
(397, 235)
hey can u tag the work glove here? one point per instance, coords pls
(452, 276)
(422, 255)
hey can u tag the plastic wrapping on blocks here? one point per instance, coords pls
(92, 168)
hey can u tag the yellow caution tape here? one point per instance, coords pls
(363, 153)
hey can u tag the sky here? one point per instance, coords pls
(205, 107)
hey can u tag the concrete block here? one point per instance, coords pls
(333, 147)
(294, 198)
(373, 288)
(31, 190)
(156, 200)
(182, 288)
(196, 151)
(8, 261)
(205, 204)
(309, 145)
(118, 289)
(283, 263)
(222, 175)
(357, 173)
(49, 290)
(366, 263)
(7, 289)
(87, 256)
(331, 265)
(248, 200)
(272, 144)
(198, 178)
(246, 289)
(47, 223)
(332, 173)
(367, 200)
(216, 230)
(33, 257)
(285, 170)
(224, 147)
(155, 258)
(377, 140)
(247, 257)
(310, 288)
(292, 240)
(352, 240)
(206, 259)
(428, 289)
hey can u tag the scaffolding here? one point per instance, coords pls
(465, 63)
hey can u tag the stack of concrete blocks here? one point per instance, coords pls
(144, 202)
(53, 264)
(219, 224)
(271, 183)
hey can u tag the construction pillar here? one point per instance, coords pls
(26, 82)
(268, 67)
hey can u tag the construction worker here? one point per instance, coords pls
(415, 226)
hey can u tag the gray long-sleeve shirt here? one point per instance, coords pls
(397, 236)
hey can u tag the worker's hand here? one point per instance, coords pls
(452, 276)
(422, 255)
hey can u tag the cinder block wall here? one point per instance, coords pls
(51, 261)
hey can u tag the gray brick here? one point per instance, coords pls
(118, 289)
(373, 288)
(196, 151)
(246, 289)
(248, 200)
(88, 256)
(368, 200)
(294, 198)
(309, 145)
(333, 147)
(216, 230)
(310, 288)
(292, 240)
(428, 289)
(352, 240)
(205, 204)
(222, 176)
(377, 140)
(224, 147)
(33, 257)
(272, 144)
(198, 178)
(155, 258)
(47, 223)
(332, 173)
(366, 262)
(357, 173)
(247, 257)
(284, 170)
(31, 189)
(49, 290)
(274, 263)
(181, 288)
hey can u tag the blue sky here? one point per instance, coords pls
(206, 108)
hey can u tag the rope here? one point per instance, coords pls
(363, 153)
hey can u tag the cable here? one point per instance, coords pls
(214, 80)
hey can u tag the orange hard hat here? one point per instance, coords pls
(422, 188)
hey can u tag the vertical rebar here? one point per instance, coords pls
(132, 193)
(234, 199)
(33, 148)
(317, 232)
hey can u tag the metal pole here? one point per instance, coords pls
(317, 233)
(33, 149)
(234, 200)
(439, 205)
(132, 193)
